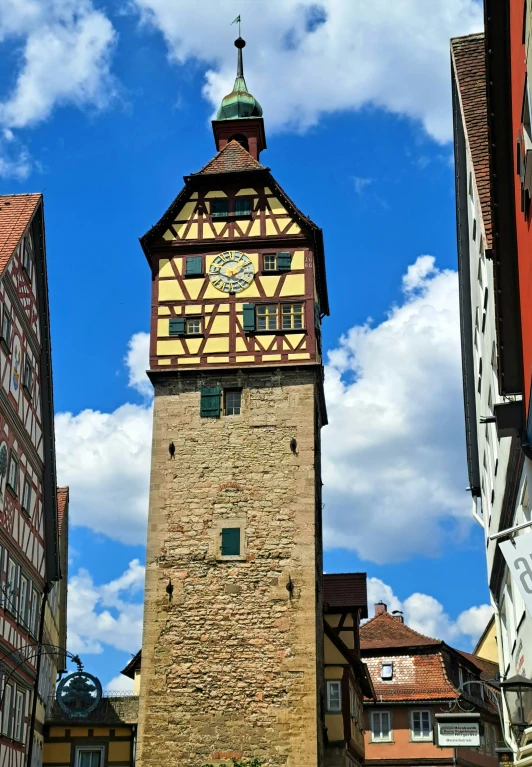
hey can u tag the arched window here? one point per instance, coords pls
(242, 140)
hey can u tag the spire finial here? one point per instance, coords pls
(240, 43)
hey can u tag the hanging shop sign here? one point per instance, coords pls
(78, 694)
(518, 555)
(457, 730)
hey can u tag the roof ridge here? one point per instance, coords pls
(233, 146)
(401, 633)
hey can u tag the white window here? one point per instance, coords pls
(387, 670)
(27, 252)
(34, 612)
(7, 710)
(18, 730)
(12, 474)
(89, 757)
(334, 696)
(26, 496)
(421, 725)
(381, 731)
(28, 374)
(11, 589)
(6, 327)
(23, 599)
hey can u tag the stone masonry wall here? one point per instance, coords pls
(230, 658)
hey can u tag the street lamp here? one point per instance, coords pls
(517, 693)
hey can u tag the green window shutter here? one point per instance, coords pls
(284, 262)
(230, 542)
(242, 206)
(219, 207)
(249, 317)
(210, 402)
(194, 266)
(317, 321)
(176, 326)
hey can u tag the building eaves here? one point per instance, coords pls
(16, 212)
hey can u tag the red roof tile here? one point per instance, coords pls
(232, 158)
(345, 590)
(487, 667)
(16, 211)
(416, 677)
(62, 506)
(469, 61)
(386, 632)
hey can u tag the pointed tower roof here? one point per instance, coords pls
(239, 103)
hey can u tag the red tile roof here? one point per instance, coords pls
(232, 158)
(386, 632)
(487, 667)
(345, 590)
(62, 506)
(134, 664)
(16, 211)
(469, 62)
(416, 677)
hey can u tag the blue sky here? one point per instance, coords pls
(105, 106)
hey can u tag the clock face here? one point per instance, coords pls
(231, 272)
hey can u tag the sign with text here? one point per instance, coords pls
(518, 556)
(458, 731)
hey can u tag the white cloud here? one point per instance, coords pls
(393, 452)
(425, 614)
(107, 614)
(105, 459)
(65, 59)
(64, 50)
(307, 58)
(137, 361)
(120, 684)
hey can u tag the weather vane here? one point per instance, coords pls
(237, 21)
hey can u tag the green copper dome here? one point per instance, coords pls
(239, 103)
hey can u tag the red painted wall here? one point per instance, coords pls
(523, 225)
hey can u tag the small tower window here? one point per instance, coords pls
(193, 326)
(230, 542)
(232, 402)
(219, 208)
(292, 316)
(242, 206)
(387, 670)
(267, 317)
(242, 140)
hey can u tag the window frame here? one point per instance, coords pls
(389, 677)
(7, 709)
(227, 393)
(13, 460)
(91, 748)
(27, 375)
(269, 255)
(6, 316)
(243, 198)
(292, 314)
(266, 316)
(18, 722)
(23, 598)
(33, 618)
(11, 601)
(195, 332)
(216, 201)
(234, 555)
(422, 737)
(27, 253)
(25, 503)
(334, 684)
(375, 739)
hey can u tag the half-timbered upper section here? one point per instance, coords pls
(28, 507)
(238, 271)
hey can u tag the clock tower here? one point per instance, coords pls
(233, 623)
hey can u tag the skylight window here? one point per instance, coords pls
(387, 670)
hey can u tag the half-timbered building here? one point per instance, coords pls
(29, 542)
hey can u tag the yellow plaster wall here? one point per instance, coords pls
(169, 290)
(294, 285)
(56, 753)
(170, 348)
(220, 324)
(217, 344)
(119, 751)
(335, 726)
(332, 655)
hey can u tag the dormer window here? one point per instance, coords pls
(219, 208)
(239, 208)
(387, 670)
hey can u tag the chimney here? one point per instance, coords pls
(399, 615)
(381, 608)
